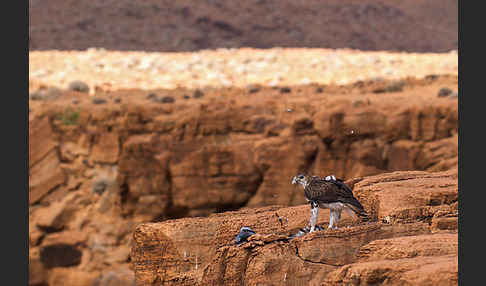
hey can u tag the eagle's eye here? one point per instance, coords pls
(301, 177)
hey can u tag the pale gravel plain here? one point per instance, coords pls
(110, 70)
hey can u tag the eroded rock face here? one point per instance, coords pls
(388, 250)
(441, 270)
(225, 154)
(100, 169)
(409, 247)
(394, 196)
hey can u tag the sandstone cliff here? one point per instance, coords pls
(411, 240)
(99, 165)
(231, 148)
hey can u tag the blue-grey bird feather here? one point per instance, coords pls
(245, 232)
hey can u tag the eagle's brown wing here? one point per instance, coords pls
(342, 185)
(323, 191)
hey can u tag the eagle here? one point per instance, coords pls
(329, 193)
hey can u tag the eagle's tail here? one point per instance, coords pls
(359, 211)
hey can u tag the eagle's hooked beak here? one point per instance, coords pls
(294, 181)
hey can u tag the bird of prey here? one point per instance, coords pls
(245, 232)
(329, 193)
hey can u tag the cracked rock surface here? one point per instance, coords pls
(411, 250)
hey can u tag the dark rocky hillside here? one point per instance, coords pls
(412, 25)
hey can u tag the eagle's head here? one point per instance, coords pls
(300, 179)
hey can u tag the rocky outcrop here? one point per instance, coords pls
(97, 170)
(389, 250)
(440, 270)
(45, 173)
(227, 150)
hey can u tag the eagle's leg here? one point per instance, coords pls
(313, 216)
(337, 217)
(331, 218)
(334, 217)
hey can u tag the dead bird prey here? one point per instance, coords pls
(245, 232)
(329, 193)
